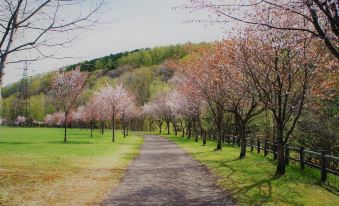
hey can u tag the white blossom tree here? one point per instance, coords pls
(67, 86)
(111, 99)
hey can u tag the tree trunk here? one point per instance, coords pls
(2, 67)
(168, 127)
(219, 142)
(219, 120)
(175, 128)
(91, 129)
(102, 127)
(150, 126)
(124, 128)
(65, 132)
(189, 130)
(182, 129)
(242, 136)
(195, 132)
(204, 139)
(280, 152)
(160, 127)
(113, 130)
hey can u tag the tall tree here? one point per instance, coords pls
(67, 86)
(39, 22)
(92, 112)
(318, 18)
(281, 66)
(128, 109)
(111, 97)
(203, 70)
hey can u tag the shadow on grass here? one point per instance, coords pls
(254, 192)
(16, 143)
(71, 142)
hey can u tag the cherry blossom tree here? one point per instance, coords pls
(318, 18)
(48, 120)
(163, 109)
(79, 116)
(186, 105)
(103, 112)
(149, 112)
(127, 108)
(111, 97)
(176, 101)
(242, 101)
(55, 119)
(2, 121)
(92, 112)
(20, 120)
(59, 118)
(67, 86)
(214, 75)
(281, 66)
(154, 110)
(204, 74)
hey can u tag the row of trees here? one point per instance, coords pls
(108, 104)
(276, 63)
(276, 71)
(220, 89)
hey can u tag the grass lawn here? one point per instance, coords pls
(37, 168)
(251, 180)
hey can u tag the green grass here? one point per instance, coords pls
(36, 160)
(251, 180)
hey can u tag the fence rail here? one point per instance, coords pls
(318, 160)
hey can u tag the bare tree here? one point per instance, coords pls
(35, 25)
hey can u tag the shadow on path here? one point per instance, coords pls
(164, 175)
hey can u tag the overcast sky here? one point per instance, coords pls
(139, 24)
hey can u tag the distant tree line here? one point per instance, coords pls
(135, 58)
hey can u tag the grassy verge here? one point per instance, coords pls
(37, 168)
(251, 180)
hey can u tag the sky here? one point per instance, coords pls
(134, 24)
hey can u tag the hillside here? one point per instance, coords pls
(139, 70)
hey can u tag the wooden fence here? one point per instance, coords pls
(327, 164)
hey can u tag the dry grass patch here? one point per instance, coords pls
(38, 169)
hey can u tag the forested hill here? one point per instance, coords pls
(135, 58)
(140, 70)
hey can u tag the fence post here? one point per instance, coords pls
(287, 154)
(265, 148)
(302, 158)
(323, 166)
(275, 150)
(258, 145)
(252, 142)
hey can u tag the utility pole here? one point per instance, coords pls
(23, 97)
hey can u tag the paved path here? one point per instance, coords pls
(164, 175)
